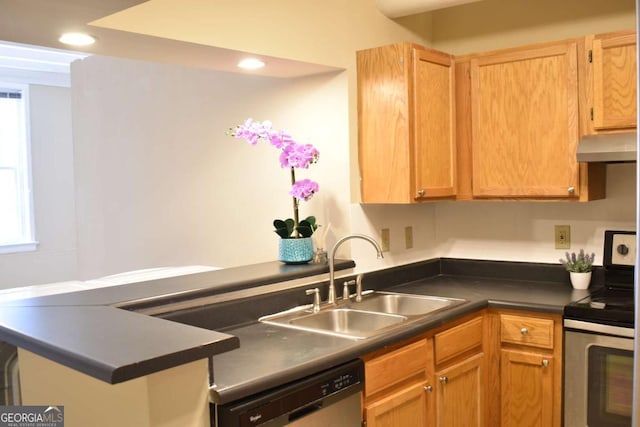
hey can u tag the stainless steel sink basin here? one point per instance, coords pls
(343, 322)
(349, 322)
(404, 304)
(378, 312)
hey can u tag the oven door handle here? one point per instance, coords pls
(599, 328)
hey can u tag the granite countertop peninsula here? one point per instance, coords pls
(88, 331)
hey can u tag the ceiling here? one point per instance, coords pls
(41, 22)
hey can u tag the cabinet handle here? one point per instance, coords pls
(571, 190)
(444, 380)
(545, 362)
(428, 388)
(524, 331)
(421, 192)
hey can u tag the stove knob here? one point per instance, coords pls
(622, 249)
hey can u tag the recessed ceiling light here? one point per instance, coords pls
(251, 64)
(77, 39)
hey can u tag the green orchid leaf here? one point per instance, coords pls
(283, 228)
(306, 227)
(290, 224)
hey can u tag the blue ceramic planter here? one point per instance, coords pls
(295, 251)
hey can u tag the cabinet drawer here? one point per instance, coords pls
(531, 331)
(457, 340)
(395, 367)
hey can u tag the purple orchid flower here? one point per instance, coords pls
(293, 155)
(304, 189)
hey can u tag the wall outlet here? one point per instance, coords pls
(384, 239)
(563, 236)
(408, 237)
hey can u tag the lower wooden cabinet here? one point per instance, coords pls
(405, 407)
(527, 388)
(435, 379)
(492, 368)
(530, 366)
(459, 393)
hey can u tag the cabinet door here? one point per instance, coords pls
(383, 124)
(434, 124)
(406, 407)
(459, 394)
(525, 122)
(614, 81)
(527, 389)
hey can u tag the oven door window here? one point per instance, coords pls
(610, 387)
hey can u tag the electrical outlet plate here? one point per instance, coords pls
(384, 239)
(563, 236)
(408, 237)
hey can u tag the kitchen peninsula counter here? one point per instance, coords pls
(86, 330)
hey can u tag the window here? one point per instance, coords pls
(16, 215)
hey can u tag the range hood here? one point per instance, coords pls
(608, 148)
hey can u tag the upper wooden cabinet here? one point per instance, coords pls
(500, 125)
(524, 124)
(406, 125)
(612, 62)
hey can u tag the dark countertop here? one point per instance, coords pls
(85, 331)
(270, 356)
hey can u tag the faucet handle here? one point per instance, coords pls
(359, 287)
(316, 298)
(345, 289)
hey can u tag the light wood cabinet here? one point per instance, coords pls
(459, 393)
(527, 388)
(612, 62)
(495, 367)
(437, 380)
(530, 366)
(525, 122)
(406, 407)
(500, 125)
(459, 374)
(406, 124)
(397, 385)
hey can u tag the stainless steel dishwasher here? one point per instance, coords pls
(329, 398)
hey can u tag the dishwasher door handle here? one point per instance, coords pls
(299, 413)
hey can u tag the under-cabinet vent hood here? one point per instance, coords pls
(399, 8)
(608, 148)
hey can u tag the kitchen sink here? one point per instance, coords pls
(347, 321)
(378, 312)
(342, 322)
(404, 304)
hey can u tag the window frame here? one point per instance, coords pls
(25, 179)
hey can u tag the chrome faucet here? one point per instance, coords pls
(332, 287)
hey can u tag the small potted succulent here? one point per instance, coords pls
(579, 267)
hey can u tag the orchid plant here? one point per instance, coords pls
(293, 155)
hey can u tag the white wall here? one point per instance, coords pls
(513, 231)
(159, 184)
(53, 193)
(158, 181)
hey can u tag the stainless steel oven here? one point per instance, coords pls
(599, 343)
(598, 374)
